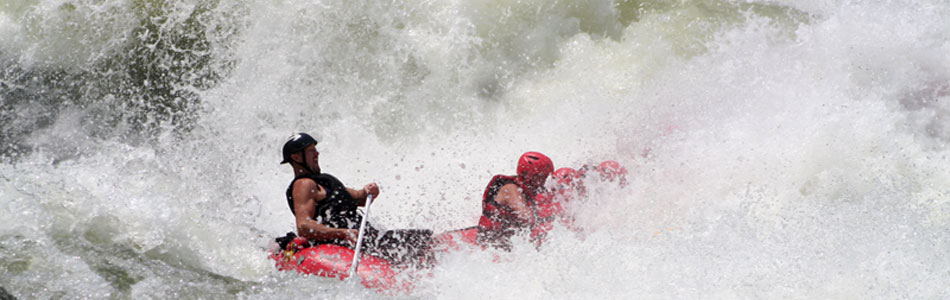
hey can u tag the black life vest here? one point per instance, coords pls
(337, 210)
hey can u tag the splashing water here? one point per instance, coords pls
(777, 149)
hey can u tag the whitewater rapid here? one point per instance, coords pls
(776, 149)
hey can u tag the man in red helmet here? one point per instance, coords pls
(612, 171)
(551, 204)
(568, 180)
(508, 202)
(570, 184)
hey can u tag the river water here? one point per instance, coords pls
(776, 149)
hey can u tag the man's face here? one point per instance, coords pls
(312, 158)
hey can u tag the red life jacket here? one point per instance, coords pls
(549, 205)
(498, 223)
(550, 208)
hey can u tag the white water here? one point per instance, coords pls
(777, 150)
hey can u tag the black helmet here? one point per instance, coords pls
(295, 144)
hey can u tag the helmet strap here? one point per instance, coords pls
(303, 163)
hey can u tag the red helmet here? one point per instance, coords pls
(534, 168)
(565, 176)
(611, 170)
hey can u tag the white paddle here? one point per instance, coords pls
(359, 238)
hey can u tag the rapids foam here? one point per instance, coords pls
(776, 150)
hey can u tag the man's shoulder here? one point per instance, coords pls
(319, 178)
(511, 186)
(304, 182)
(324, 178)
(501, 179)
(310, 188)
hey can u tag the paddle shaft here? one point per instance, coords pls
(359, 238)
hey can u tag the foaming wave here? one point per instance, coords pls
(773, 153)
(774, 165)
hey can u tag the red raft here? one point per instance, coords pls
(334, 261)
(376, 273)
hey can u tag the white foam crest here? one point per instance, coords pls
(765, 165)
(775, 154)
(62, 33)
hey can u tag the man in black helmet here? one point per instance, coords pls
(325, 209)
